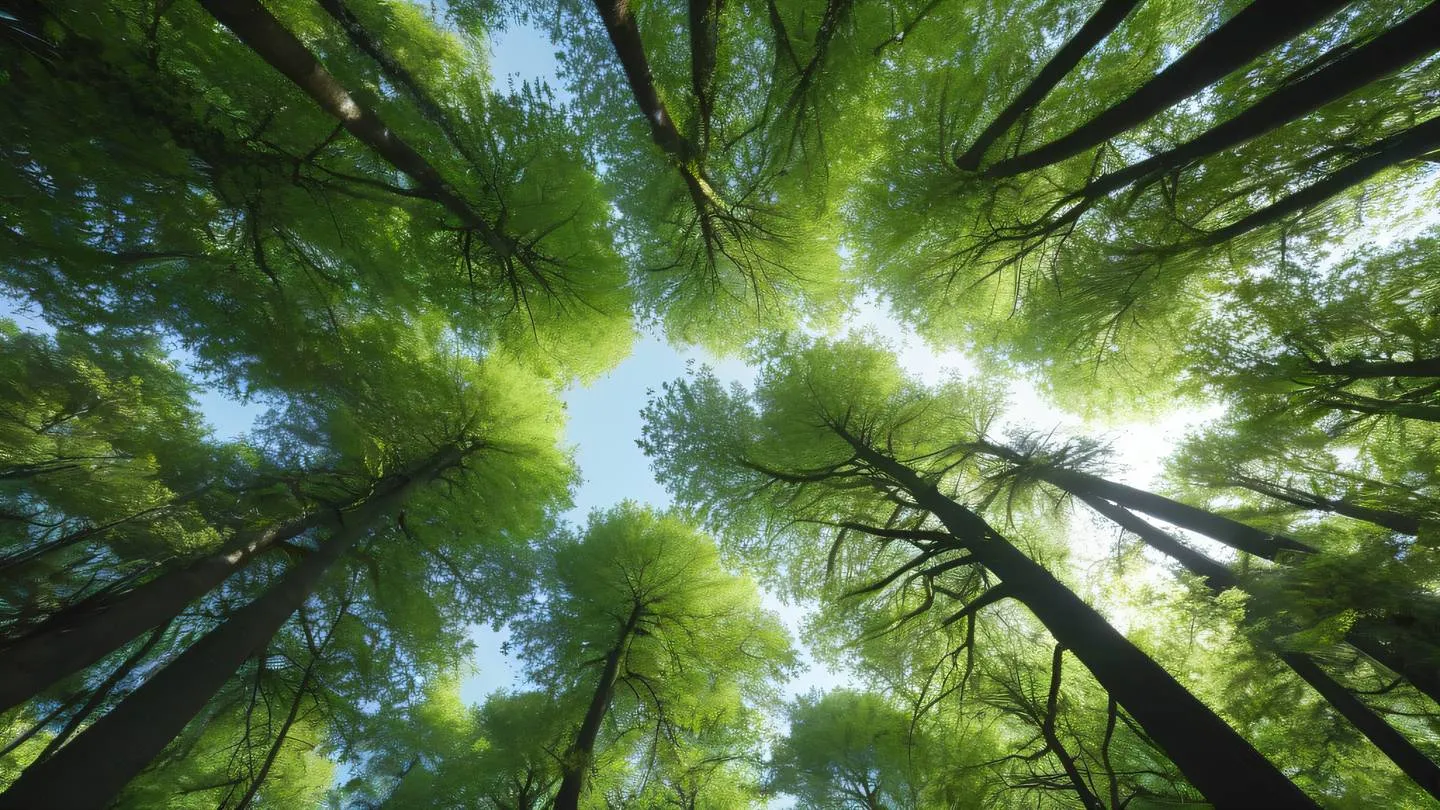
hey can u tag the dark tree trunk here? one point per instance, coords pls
(1411, 661)
(1220, 763)
(1217, 576)
(624, 35)
(1381, 407)
(272, 42)
(704, 33)
(400, 76)
(1409, 144)
(1217, 527)
(1101, 23)
(1407, 42)
(576, 763)
(1392, 743)
(102, 692)
(78, 637)
(1260, 26)
(91, 770)
(1384, 518)
(1373, 369)
(82, 635)
(1409, 759)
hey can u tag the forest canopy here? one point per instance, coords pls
(1065, 435)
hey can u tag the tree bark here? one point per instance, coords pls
(1101, 23)
(1409, 144)
(1414, 763)
(1232, 533)
(1220, 763)
(1384, 518)
(101, 692)
(1373, 369)
(77, 638)
(272, 42)
(400, 76)
(1407, 42)
(1257, 28)
(624, 35)
(92, 769)
(577, 758)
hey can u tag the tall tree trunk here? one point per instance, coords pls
(400, 76)
(1407, 42)
(1232, 533)
(102, 692)
(91, 770)
(576, 764)
(1373, 369)
(1101, 23)
(1384, 518)
(1220, 763)
(272, 42)
(1260, 26)
(624, 35)
(1414, 763)
(1403, 146)
(82, 635)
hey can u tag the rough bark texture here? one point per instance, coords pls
(1095, 29)
(1257, 28)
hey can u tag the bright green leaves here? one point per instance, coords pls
(848, 749)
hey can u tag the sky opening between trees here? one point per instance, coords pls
(828, 404)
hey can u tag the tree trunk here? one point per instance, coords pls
(1381, 407)
(1384, 518)
(1392, 743)
(1260, 26)
(1217, 527)
(1407, 42)
(1409, 144)
(1220, 763)
(101, 692)
(400, 76)
(1101, 23)
(624, 35)
(272, 42)
(91, 770)
(1373, 369)
(78, 637)
(577, 758)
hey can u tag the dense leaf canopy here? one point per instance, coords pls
(1165, 535)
